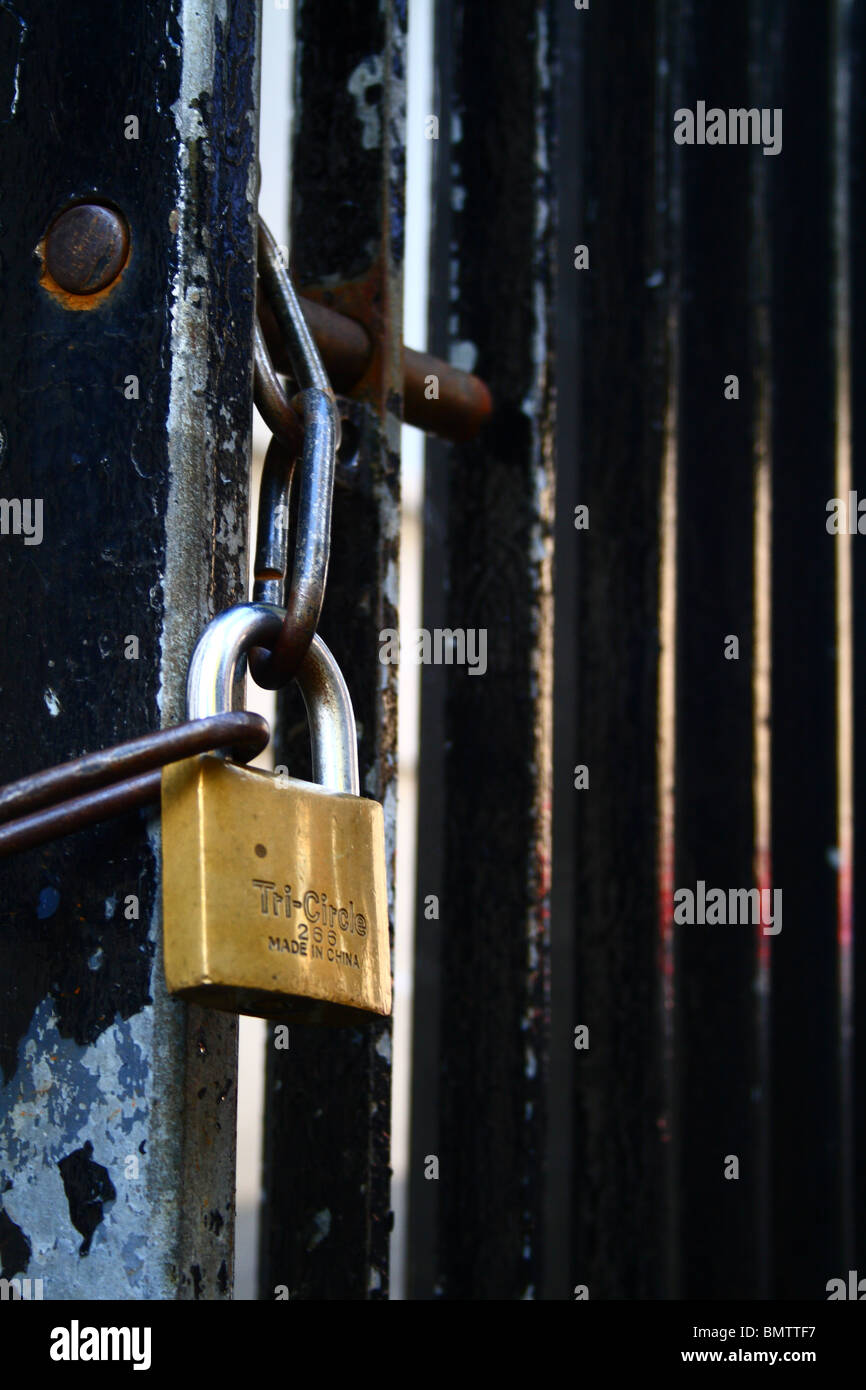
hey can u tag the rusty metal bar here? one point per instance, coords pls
(457, 410)
(99, 785)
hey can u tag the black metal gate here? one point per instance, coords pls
(591, 1073)
(636, 1072)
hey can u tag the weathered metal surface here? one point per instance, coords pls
(437, 396)
(130, 424)
(482, 965)
(817, 314)
(608, 626)
(86, 248)
(326, 1209)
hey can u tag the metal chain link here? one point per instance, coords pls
(313, 405)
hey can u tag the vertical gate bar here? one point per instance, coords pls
(722, 692)
(751, 274)
(491, 310)
(568, 178)
(763, 35)
(856, 22)
(326, 1216)
(840, 123)
(624, 617)
(128, 414)
(664, 1244)
(805, 1231)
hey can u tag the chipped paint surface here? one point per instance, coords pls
(13, 32)
(207, 513)
(200, 426)
(66, 1097)
(367, 75)
(116, 1102)
(463, 354)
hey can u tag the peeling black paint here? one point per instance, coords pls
(15, 1247)
(88, 1189)
(336, 181)
(480, 1043)
(99, 463)
(220, 224)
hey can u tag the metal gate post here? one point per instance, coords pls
(326, 1214)
(485, 772)
(126, 414)
(618, 355)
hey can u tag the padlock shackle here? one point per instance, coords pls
(333, 737)
(214, 668)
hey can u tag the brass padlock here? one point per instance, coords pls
(274, 895)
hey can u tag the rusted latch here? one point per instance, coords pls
(85, 250)
(437, 398)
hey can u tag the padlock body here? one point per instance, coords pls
(274, 896)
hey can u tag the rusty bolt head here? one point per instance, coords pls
(86, 248)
